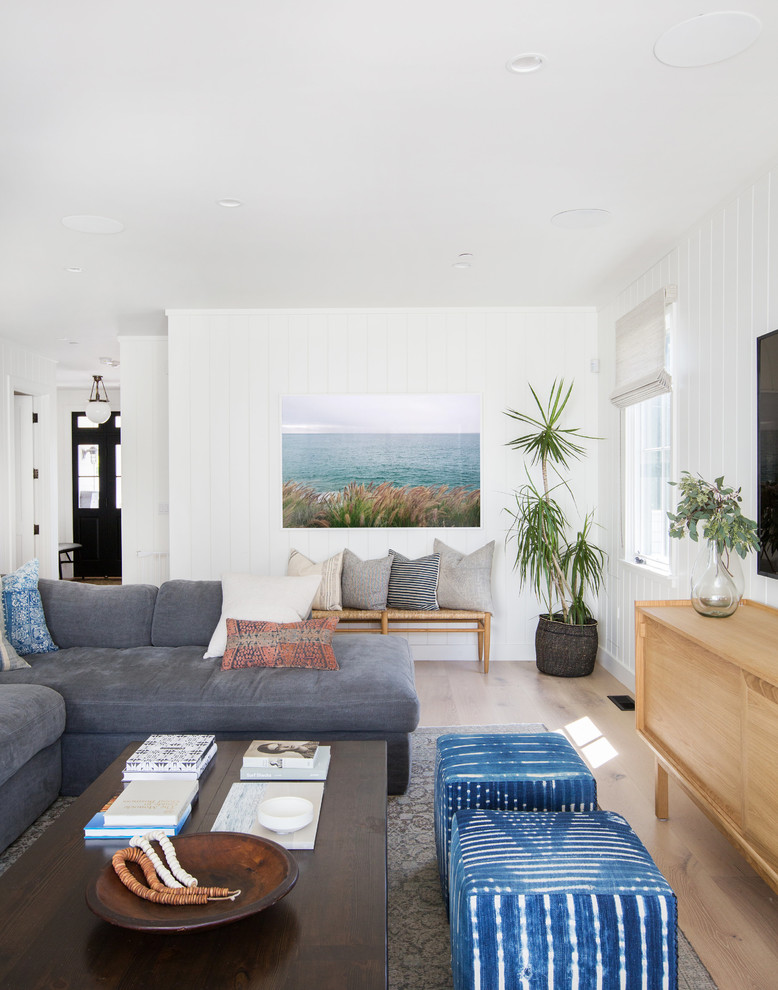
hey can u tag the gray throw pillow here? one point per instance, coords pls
(365, 583)
(412, 583)
(465, 580)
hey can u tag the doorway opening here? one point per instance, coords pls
(97, 497)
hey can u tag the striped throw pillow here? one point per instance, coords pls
(328, 597)
(412, 583)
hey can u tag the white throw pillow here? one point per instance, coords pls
(254, 596)
(328, 596)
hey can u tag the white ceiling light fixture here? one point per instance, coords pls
(110, 362)
(229, 204)
(707, 39)
(526, 62)
(98, 408)
(580, 219)
(74, 269)
(464, 261)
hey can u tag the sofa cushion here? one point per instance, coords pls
(174, 689)
(94, 615)
(25, 623)
(259, 596)
(186, 613)
(9, 658)
(271, 644)
(32, 717)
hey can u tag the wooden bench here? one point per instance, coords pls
(440, 620)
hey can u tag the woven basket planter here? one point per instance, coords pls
(563, 650)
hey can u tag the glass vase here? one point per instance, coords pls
(717, 582)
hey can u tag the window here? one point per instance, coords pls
(643, 392)
(647, 492)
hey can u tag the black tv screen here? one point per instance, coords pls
(767, 451)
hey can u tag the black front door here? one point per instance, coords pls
(97, 497)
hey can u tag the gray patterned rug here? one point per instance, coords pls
(418, 928)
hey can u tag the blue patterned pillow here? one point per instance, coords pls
(9, 660)
(25, 623)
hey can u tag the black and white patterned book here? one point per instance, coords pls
(172, 754)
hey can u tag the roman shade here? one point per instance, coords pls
(641, 370)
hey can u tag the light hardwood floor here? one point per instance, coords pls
(726, 911)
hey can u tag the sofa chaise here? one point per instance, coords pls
(130, 663)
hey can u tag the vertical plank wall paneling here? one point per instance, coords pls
(228, 371)
(22, 370)
(145, 491)
(727, 297)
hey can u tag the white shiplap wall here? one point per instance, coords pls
(228, 371)
(144, 396)
(23, 371)
(727, 297)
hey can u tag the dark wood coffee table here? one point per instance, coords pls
(328, 932)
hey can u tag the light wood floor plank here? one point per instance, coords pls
(726, 911)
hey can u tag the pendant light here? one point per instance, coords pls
(98, 409)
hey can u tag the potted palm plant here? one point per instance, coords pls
(713, 511)
(559, 562)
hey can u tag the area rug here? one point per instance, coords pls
(418, 927)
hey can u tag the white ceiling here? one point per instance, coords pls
(370, 143)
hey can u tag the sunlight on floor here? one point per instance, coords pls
(594, 747)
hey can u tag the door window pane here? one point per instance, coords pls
(88, 476)
(86, 424)
(118, 450)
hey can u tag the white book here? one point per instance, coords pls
(193, 774)
(281, 753)
(317, 772)
(161, 752)
(152, 802)
(239, 811)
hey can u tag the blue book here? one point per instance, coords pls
(96, 828)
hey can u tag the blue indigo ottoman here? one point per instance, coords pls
(538, 771)
(556, 901)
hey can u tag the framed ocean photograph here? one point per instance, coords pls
(411, 460)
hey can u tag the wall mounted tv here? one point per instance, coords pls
(767, 451)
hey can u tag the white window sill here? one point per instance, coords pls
(650, 570)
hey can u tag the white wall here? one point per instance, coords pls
(23, 371)
(727, 297)
(228, 371)
(145, 537)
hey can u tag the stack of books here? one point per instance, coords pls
(275, 759)
(161, 757)
(142, 806)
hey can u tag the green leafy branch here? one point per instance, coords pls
(713, 512)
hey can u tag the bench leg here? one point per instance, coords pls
(385, 623)
(487, 639)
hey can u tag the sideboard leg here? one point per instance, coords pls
(661, 801)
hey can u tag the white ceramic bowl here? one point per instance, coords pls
(285, 814)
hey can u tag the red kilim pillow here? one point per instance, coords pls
(253, 643)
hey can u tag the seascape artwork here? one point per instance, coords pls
(381, 460)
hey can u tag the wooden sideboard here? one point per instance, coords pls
(707, 704)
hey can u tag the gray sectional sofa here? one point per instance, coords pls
(130, 663)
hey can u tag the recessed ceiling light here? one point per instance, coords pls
(66, 340)
(707, 39)
(229, 204)
(74, 269)
(577, 219)
(110, 362)
(464, 261)
(526, 62)
(93, 225)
